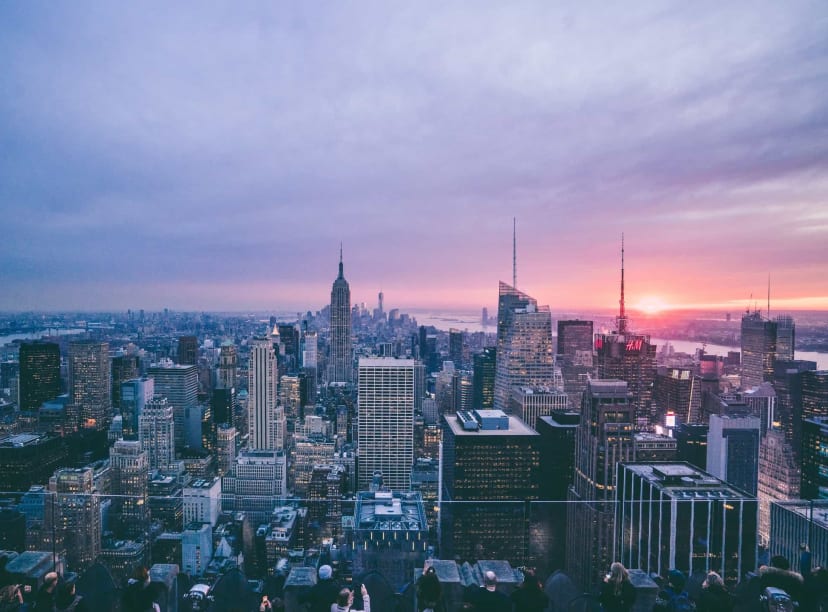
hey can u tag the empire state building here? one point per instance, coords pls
(340, 362)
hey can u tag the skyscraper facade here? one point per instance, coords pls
(89, 383)
(524, 345)
(39, 374)
(733, 450)
(385, 419)
(814, 484)
(574, 336)
(78, 517)
(779, 477)
(129, 465)
(785, 338)
(135, 394)
(483, 379)
(187, 350)
(228, 366)
(758, 349)
(262, 396)
(179, 384)
(156, 433)
(340, 362)
(604, 438)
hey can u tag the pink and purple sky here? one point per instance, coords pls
(212, 156)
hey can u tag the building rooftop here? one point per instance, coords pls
(377, 362)
(387, 511)
(683, 481)
(516, 428)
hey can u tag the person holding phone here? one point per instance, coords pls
(345, 601)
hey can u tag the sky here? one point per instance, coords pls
(213, 156)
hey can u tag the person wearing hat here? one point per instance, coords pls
(323, 594)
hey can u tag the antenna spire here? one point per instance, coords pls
(514, 252)
(341, 270)
(622, 316)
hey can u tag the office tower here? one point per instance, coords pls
(462, 388)
(787, 381)
(530, 403)
(156, 433)
(785, 338)
(129, 465)
(575, 340)
(604, 438)
(814, 394)
(12, 530)
(340, 361)
(254, 484)
(327, 485)
(179, 384)
(225, 448)
(691, 444)
(89, 383)
(778, 479)
(196, 548)
(187, 350)
(262, 398)
(39, 378)
(223, 406)
(795, 523)
(557, 468)
(228, 366)
(289, 354)
(672, 392)
(124, 367)
(306, 454)
(814, 465)
(290, 392)
(758, 349)
(386, 421)
(202, 501)
(77, 517)
(483, 378)
(309, 366)
(733, 450)
(675, 516)
(390, 535)
(624, 355)
(524, 344)
(491, 470)
(761, 402)
(29, 458)
(456, 348)
(135, 393)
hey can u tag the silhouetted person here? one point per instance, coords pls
(67, 599)
(779, 575)
(139, 595)
(487, 598)
(45, 598)
(429, 590)
(11, 598)
(617, 592)
(324, 593)
(529, 597)
(714, 595)
(345, 601)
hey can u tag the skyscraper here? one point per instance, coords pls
(156, 433)
(733, 450)
(129, 464)
(179, 384)
(39, 374)
(814, 484)
(604, 438)
(340, 362)
(491, 469)
(785, 338)
(261, 403)
(524, 344)
(135, 394)
(758, 349)
(573, 337)
(483, 379)
(779, 477)
(124, 367)
(89, 383)
(77, 517)
(456, 338)
(386, 421)
(624, 355)
(187, 350)
(675, 516)
(228, 366)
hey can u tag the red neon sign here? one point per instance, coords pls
(635, 345)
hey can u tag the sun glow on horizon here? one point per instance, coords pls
(652, 304)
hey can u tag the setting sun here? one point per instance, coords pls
(652, 305)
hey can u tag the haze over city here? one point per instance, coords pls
(213, 158)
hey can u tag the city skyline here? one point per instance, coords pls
(214, 159)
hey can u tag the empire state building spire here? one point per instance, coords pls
(340, 362)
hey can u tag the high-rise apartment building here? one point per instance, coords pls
(135, 394)
(675, 516)
(89, 383)
(179, 384)
(129, 465)
(385, 417)
(604, 438)
(733, 450)
(255, 483)
(524, 344)
(262, 395)
(225, 448)
(491, 471)
(340, 361)
(39, 379)
(483, 379)
(156, 433)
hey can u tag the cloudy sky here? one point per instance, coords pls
(213, 156)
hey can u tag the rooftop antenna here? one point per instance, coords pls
(622, 317)
(341, 271)
(514, 252)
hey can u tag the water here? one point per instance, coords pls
(690, 346)
(37, 335)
